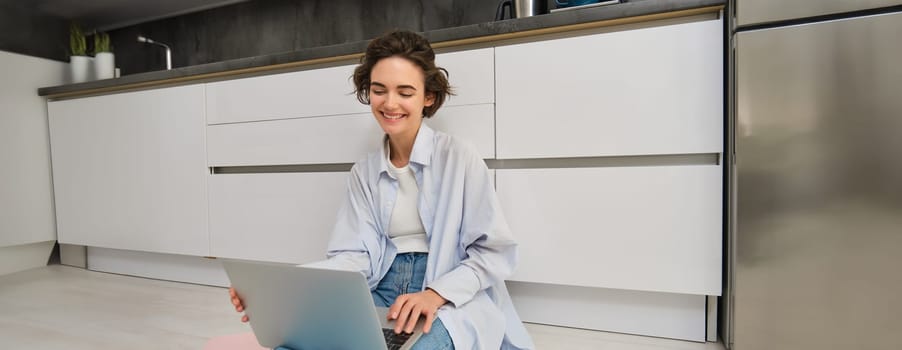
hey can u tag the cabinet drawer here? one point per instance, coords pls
(329, 140)
(309, 93)
(328, 91)
(335, 139)
(281, 217)
(655, 90)
(641, 228)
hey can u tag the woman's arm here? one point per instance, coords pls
(491, 252)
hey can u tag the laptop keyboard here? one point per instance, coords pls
(395, 341)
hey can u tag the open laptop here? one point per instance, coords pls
(307, 308)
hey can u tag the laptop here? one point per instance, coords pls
(307, 308)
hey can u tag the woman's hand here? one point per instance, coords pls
(408, 308)
(236, 301)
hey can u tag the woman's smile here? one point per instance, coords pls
(393, 116)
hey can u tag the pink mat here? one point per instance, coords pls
(242, 341)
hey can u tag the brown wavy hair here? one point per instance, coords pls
(412, 47)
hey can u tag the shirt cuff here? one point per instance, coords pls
(458, 286)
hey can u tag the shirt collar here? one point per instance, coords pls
(423, 145)
(421, 153)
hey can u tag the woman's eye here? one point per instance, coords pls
(378, 92)
(407, 95)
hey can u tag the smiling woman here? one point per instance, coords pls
(421, 218)
(398, 78)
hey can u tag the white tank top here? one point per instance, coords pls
(405, 227)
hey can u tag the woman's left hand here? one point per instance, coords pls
(408, 308)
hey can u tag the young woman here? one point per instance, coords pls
(421, 219)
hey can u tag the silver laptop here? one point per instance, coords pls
(306, 308)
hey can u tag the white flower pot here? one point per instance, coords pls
(80, 68)
(104, 65)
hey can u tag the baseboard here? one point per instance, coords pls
(666, 315)
(170, 267)
(712, 319)
(74, 255)
(24, 256)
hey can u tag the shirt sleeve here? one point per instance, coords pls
(491, 252)
(355, 222)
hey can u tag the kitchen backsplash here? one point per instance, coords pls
(24, 32)
(264, 27)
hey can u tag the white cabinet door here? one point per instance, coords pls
(321, 140)
(280, 217)
(640, 228)
(471, 74)
(646, 91)
(328, 91)
(309, 93)
(129, 170)
(334, 139)
(26, 196)
(472, 123)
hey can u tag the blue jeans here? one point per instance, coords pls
(405, 276)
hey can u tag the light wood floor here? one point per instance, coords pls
(61, 307)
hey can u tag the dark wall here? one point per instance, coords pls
(25, 32)
(271, 26)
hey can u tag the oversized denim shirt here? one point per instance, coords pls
(471, 249)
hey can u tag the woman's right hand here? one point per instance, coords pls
(236, 301)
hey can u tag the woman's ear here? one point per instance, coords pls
(430, 99)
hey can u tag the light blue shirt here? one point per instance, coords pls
(471, 249)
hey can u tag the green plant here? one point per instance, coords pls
(102, 43)
(77, 40)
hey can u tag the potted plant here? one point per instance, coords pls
(79, 62)
(104, 61)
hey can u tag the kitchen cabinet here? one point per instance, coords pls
(652, 95)
(26, 196)
(27, 225)
(333, 139)
(647, 91)
(130, 172)
(281, 217)
(648, 228)
(303, 94)
(288, 217)
(471, 74)
(615, 216)
(329, 91)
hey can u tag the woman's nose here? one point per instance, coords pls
(391, 100)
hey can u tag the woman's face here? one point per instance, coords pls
(397, 97)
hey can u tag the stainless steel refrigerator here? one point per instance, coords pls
(815, 219)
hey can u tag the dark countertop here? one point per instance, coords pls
(447, 36)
